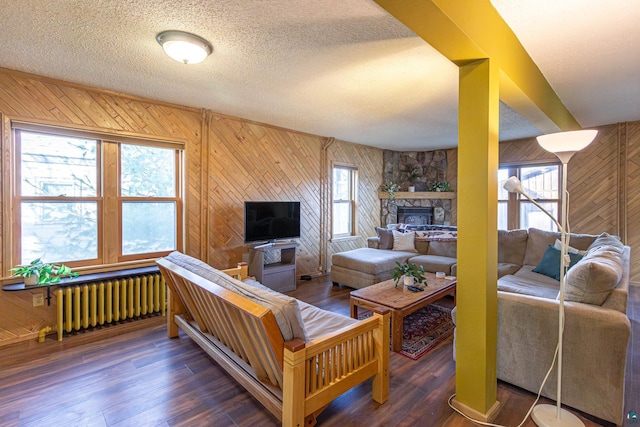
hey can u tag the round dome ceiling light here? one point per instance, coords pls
(184, 47)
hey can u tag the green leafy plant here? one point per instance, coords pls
(46, 273)
(441, 186)
(406, 269)
(390, 187)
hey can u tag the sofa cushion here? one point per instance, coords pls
(319, 323)
(370, 261)
(284, 308)
(386, 238)
(595, 276)
(608, 241)
(505, 268)
(404, 241)
(512, 245)
(443, 248)
(538, 241)
(526, 282)
(550, 263)
(434, 263)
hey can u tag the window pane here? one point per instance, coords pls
(532, 216)
(148, 227)
(503, 175)
(59, 231)
(147, 171)
(57, 165)
(541, 182)
(502, 216)
(341, 218)
(341, 184)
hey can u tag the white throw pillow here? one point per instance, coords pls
(571, 249)
(404, 241)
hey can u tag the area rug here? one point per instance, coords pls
(423, 330)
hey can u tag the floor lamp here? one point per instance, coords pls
(564, 145)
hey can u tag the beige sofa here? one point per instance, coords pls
(362, 267)
(597, 329)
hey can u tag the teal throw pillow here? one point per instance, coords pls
(550, 263)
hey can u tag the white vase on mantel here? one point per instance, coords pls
(408, 281)
(412, 189)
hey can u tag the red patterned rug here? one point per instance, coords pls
(423, 330)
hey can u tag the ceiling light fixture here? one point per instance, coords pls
(184, 47)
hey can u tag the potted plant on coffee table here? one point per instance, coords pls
(411, 272)
(41, 273)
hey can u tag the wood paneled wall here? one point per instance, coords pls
(601, 183)
(369, 163)
(228, 160)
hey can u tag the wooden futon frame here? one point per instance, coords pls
(294, 380)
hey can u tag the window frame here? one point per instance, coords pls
(352, 201)
(108, 196)
(515, 201)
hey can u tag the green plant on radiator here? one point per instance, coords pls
(41, 273)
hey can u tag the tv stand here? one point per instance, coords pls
(277, 275)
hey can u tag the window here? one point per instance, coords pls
(89, 201)
(542, 183)
(344, 200)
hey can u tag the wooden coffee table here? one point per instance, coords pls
(401, 301)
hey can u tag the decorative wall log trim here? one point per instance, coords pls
(325, 203)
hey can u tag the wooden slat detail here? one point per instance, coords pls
(631, 207)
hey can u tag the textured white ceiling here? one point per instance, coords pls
(340, 68)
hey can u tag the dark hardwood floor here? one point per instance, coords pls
(132, 375)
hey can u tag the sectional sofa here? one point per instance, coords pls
(433, 247)
(597, 329)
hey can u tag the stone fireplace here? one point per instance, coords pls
(421, 169)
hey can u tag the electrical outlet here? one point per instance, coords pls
(38, 300)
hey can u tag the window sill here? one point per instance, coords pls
(344, 239)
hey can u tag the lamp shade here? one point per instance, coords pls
(513, 185)
(563, 142)
(184, 47)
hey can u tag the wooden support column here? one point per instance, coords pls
(476, 321)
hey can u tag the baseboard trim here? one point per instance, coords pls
(475, 415)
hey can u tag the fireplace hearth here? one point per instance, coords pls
(415, 215)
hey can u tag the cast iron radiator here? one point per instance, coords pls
(104, 302)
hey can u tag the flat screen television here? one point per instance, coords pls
(271, 220)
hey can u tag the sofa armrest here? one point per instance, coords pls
(373, 242)
(594, 351)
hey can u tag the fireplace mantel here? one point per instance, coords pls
(419, 195)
